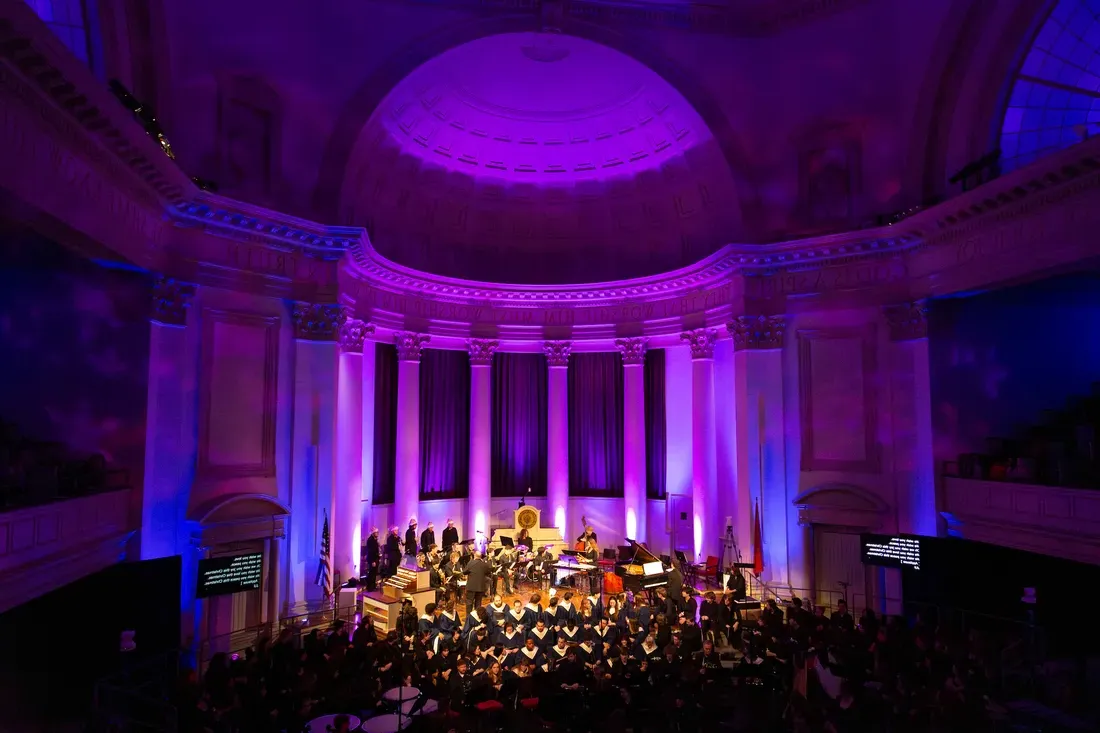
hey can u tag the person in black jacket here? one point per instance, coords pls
(675, 586)
(477, 574)
(427, 538)
(393, 554)
(410, 538)
(450, 536)
(373, 560)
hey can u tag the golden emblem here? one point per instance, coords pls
(527, 518)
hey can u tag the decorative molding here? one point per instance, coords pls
(409, 345)
(171, 300)
(557, 353)
(701, 341)
(908, 321)
(633, 350)
(353, 333)
(318, 321)
(757, 332)
(871, 461)
(237, 220)
(265, 467)
(481, 351)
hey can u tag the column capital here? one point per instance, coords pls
(318, 321)
(353, 333)
(557, 352)
(701, 341)
(907, 321)
(633, 350)
(757, 332)
(171, 299)
(410, 344)
(481, 351)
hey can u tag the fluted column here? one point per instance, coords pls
(346, 519)
(760, 465)
(911, 417)
(407, 470)
(704, 458)
(481, 416)
(634, 457)
(557, 432)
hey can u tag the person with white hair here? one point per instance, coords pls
(373, 559)
(393, 553)
(410, 538)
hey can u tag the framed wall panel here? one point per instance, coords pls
(837, 369)
(238, 392)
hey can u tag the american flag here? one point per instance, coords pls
(323, 578)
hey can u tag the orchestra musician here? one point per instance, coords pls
(592, 557)
(522, 538)
(588, 534)
(450, 536)
(503, 568)
(737, 591)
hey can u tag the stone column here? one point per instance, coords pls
(313, 476)
(170, 428)
(275, 577)
(407, 495)
(481, 417)
(557, 433)
(346, 519)
(634, 455)
(761, 440)
(704, 458)
(366, 496)
(911, 416)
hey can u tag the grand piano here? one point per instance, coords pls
(643, 571)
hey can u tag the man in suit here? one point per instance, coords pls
(427, 538)
(477, 581)
(675, 586)
(450, 536)
(374, 557)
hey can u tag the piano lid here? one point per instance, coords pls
(642, 555)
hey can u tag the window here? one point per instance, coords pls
(69, 22)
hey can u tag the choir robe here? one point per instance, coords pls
(533, 614)
(515, 641)
(535, 656)
(544, 639)
(496, 615)
(608, 635)
(612, 666)
(565, 612)
(587, 654)
(428, 625)
(597, 607)
(520, 621)
(647, 654)
(572, 635)
(557, 653)
(473, 620)
(446, 623)
(550, 617)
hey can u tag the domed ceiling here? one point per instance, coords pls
(539, 158)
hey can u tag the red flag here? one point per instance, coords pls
(757, 545)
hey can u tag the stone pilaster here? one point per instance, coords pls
(171, 299)
(701, 341)
(907, 321)
(318, 321)
(757, 332)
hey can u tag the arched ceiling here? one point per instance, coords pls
(539, 158)
(1055, 98)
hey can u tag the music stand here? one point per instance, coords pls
(506, 541)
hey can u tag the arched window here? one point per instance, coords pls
(1055, 97)
(74, 22)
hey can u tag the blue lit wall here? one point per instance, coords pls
(998, 359)
(74, 351)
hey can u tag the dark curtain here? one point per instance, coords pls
(385, 422)
(519, 424)
(596, 424)
(656, 456)
(444, 424)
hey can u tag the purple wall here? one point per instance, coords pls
(999, 359)
(74, 351)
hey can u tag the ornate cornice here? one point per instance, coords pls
(557, 353)
(633, 350)
(908, 321)
(757, 332)
(410, 344)
(481, 351)
(353, 334)
(318, 321)
(701, 341)
(171, 299)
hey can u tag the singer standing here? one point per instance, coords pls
(374, 557)
(450, 536)
(427, 538)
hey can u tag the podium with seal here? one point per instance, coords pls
(530, 519)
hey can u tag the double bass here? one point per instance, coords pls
(581, 545)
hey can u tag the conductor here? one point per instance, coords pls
(477, 581)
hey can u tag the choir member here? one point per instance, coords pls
(374, 559)
(427, 538)
(410, 538)
(542, 635)
(393, 553)
(450, 536)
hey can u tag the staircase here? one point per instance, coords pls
(1058, 451)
